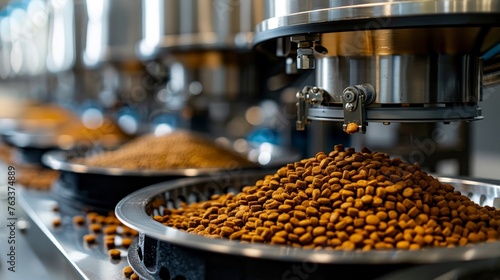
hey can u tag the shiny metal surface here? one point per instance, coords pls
(284, 13)
(198, 24)
(88, 262)
(66, 40)
(400, 79)
(67, 35)
(113, 29)
(198, 79)
(35, 256)
(483, 269)
(417, 66)
(415, 53)
(402, 114)
(136, 209)
(38, 139)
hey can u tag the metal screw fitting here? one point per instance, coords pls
(305, 59)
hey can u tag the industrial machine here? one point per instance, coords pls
(213, 74)
(159, 65)
(386, 61)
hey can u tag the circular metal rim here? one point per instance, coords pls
(241, 41)
(135, 261)
(411, 114)
(131, 212)
(38, 140)
(380, 10)
(394, 14)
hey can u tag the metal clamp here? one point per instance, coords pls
(307, 96)
(354, 100)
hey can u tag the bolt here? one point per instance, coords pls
(349, 96)
(305, 59)
(349, 107)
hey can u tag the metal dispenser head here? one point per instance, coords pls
(113, 30)
(205, 45)
(412, 61)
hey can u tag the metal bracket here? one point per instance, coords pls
(354, 100)
(307, 96)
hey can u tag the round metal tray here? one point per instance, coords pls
(105, 187)
(33, 144)
(63, 161)
(136, 210)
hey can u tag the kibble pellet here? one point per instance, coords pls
(109, 243)
(115, 254)
(56, 222)
(95, 228)
(127, 271)
(89, 238)
(79, 220)
(126, 242)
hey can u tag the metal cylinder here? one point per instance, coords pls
(113, 29)
(404, 79)
(172, 25)
(418, 55)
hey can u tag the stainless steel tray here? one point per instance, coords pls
(105, 187)
(136, 210)
(32, 144)
(37, 139)
(63, 161)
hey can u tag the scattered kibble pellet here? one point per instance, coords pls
(100, 219)
(127, 271)
(79, 220)
(344, 200)
(110, 220)
(352, 128)
(89, 238)
(179, 149)
(56, 222)
(107, 225)
(95, 228)
(109, 237)
(115, 254)
(129, 232)
(111, 229)
(109, 243)
(134, 277)
(91, 217)
(126, 242)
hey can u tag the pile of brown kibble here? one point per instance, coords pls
(344, 200)
(36, 177)
(180, 149)
(28, 175)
